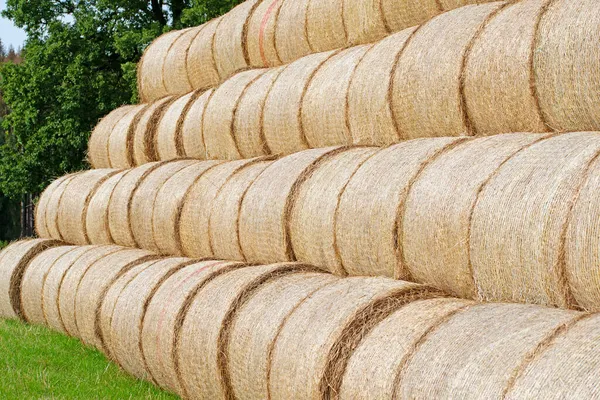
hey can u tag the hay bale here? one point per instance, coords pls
(204, 335)
(32, 284)
(439, 207)
(474, 354)
(323, 109)
(191, 135)
(54, 199)
(427, 76)
(498, 73)
(129, 313)
(253, 330)
(248, 116)
(566, 65)
(168, 205)
(98, 142)
(142, 202)
(177, 81)
(119, 206)
(282, 123)
(53, 282)
(530, 197)
(219, 115)
(14, 260)
(73, 205)
(144, 128)
(312, 217)
(201, 64)
(192, 234)
(291, 41)
(151, 75)
(260, 40)
(41, 207)
(163, 318)
(93, 285)
(263, 221)
(67, 289)
(367, 217)
(369, 116)
(313, 346)
(325, 33)
(120, 141)
(166, 132)
(96, 218)
(567, 369)
(223, 218)
(372, 368)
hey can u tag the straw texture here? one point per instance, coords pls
(96, 218)
(191, 136)
(51, 214)
(291, 39)
(201, 64)
(175, 67)
(120, 141)
(327, 33)
(144, 127)
(260, 41)
(166, 132)
(98, 142)
(41, 226)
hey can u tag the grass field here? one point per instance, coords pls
(36, 363)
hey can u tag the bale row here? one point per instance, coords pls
(223, 330)
(527, 66)
(500, 218)
(267, 33)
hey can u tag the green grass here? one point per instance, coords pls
(36, 363)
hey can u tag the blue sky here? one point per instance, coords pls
(9, 33)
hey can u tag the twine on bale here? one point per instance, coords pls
(260, 39)
(98, 143)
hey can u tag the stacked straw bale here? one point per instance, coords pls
(478, 70)
(222, 330)
(447, 212)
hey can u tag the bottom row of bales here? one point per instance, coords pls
(209, 329)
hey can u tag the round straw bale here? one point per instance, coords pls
(219, 115)
(94, 284)
(143, 199)
(567, 369)
(169, 204)
(426, 98)
(313, 346)
(99, 139)
(96, 218)
(129, 312)
(106, 309)
(73, 206)
(143, 129)
(32, 284)
(204, 338)
(229, 45)
(291, 41)
(566, 65)
(192, 234)
(312, 217)
(366, 220)
(260, 40)
(54, 198)
(201, 66)
(119, 206)
(67, 289)
(264, 220)
(120, 142)
(248, 116)
(164, 318)
(175, 71)
(191, 136)
(439, 206)
(498, 72)
(323, 109)
(52, 283)
(520, 221)
(325, 29)
(151, 76)
(41, 207)
(369, 116)
(253, 330)
(474, 353)
(14, 260)
(373, 366)
(166, 131)
(282, 122)
(223, 219)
